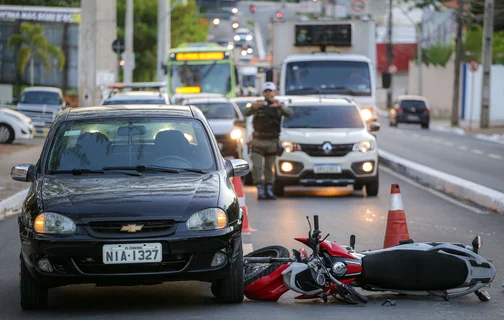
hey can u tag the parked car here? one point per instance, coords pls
(222, 115)
(15, 126)
(41, 104)
(133, 195)
(327, 143)
(410, 109)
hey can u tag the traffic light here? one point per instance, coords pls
(252, 8)
(279, 15)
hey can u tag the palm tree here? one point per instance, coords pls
(33, 44)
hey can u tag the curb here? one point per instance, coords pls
(12, 204)
(459, 188)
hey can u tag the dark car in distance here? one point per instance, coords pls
(410, 109)
(130, 195)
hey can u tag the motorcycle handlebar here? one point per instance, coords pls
(315, 222)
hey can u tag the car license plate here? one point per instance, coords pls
(132, 253)
(327, 168)
(412, 118)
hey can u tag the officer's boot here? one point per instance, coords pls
(269, 192)
(260, 192)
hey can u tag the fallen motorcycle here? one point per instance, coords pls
(446, 270)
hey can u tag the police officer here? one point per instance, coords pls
(265, 143)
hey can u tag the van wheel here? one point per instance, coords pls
(33, 295)
(230, 288)
(6, 133)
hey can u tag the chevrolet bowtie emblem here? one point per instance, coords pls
(132, 228)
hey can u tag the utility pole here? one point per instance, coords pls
(487, 63)
(164, 19)
(458, 58)
(390, 54)
(419, 54)
(129, 57)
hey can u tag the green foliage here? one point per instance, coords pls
(437, 55)
(33, 44)
(473, 43)
(186, 26)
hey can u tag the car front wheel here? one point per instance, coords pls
(373, 187)
(230, 288)
(33, 295)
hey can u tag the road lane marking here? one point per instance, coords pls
(463, 148)
(476, 151)
(448, 144)
(495, 156)
(434, 192)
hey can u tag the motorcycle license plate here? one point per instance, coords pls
(327, 168)
(132, 253)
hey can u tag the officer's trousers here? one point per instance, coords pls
(264, 153)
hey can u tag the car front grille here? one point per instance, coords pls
(170, 263)
(338, 150)
(154, 227)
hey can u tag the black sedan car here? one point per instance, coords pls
(130, 195)
(410, 109)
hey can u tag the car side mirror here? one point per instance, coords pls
(67, 103)
(240, 123)
(386, 79)
(237, 167)
(23, 172)
(374, 126)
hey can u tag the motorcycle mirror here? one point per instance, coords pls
(352, 241)
(309, 224)
(476, 244)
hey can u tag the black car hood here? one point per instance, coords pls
(171, 196)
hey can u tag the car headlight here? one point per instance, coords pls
(290, 146)
(236, 38)
(54, 223)
(366, 114)
(208, 219)
(364, 146)
(236, 134)
(248, 37)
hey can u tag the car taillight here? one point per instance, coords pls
(400, 109)
(426, 111)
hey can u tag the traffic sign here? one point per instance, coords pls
(118, 46)
(358, 6)
(473, 66)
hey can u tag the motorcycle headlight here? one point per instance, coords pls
(236, 134)
(54, 223)
(364, 146)
(208, 219)
(290, 146)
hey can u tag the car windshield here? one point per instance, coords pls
(95, 144)
(41, 97)
(217, 110)
(324, 117)
(211, 78)
(130, 101)
(417, 104)
(329, 77)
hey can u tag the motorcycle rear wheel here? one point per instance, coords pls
(255, 271)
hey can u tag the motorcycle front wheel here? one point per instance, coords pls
(255, 271)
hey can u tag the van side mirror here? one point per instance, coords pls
(386, 79)
(67, 103)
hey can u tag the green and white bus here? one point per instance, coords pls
(201, 68)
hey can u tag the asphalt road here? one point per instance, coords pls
(466, 157)
(277, 222)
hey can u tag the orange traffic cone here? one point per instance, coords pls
(238, 186)
(397, 227)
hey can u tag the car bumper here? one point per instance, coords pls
(412, 118)
(25, 132)
(304, 169)
(79, 259)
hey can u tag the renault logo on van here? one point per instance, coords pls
(327, 147)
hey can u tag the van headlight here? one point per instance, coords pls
(54, 223)
(364, 146)
(208, 219)
(236, 134)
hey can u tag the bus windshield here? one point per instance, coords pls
(211, 78)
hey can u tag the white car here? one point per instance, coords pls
(327, 143)
(136, 97)
(15, 126)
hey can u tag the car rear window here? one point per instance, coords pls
(122, 102)
(324, 117)
(218, 110)
(97, 143)
(417, 104)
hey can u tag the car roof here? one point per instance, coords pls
(326, 56)
(412, 97)
(310, 102)
(132, 95)
(206, 100)
(52, 89)
(242, 30)
(125, 111)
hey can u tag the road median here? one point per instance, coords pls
(454, 186)
(12, 204)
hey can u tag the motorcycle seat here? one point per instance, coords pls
(413, 270)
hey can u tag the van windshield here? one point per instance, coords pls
(41, 97)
